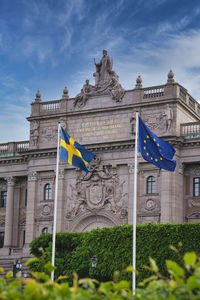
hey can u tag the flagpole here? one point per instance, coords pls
(135, 204)
(55, 205)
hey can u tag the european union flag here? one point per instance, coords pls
(73, 153)
(155, 150)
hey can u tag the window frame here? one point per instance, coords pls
(47, 192)
(45, 230)
(196, 184)
(151, 185)
(3, 199)
(2, 237)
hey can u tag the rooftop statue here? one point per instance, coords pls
(83, 96)
(106, 83)
(103, 69)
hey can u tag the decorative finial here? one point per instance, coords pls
(38, 96)
(138, 82)
(170, 77)
(65, 93)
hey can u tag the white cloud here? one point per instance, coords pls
(181, 53)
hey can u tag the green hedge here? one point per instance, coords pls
(113, 248)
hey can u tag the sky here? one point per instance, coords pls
(49, 44)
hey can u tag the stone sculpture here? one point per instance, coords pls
(106, 83)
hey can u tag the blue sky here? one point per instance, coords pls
(50, 44)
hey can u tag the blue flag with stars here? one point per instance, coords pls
(155, 150)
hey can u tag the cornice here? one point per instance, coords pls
(123, 145)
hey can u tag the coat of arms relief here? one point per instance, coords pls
(99, 190)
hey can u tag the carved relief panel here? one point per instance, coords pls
(100, 191)
(159, 121)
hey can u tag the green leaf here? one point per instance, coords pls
(121, 285)
(193, 283)
(9, 274)
(153, 264)
(173, 248)
(129, 269)
(105, 287)
(48, 267)
(189, 259)
(32, 260)
(145, 281)
(174, 268)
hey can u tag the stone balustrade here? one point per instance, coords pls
(190, 130)
(50, 106)
(153, 93)
(13, 148)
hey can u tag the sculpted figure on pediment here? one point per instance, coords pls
(82, 97)
(34, 133)
(106, 83)
(103, 69)
(168, 117)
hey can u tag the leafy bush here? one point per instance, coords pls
(113, 248)
(183, 284)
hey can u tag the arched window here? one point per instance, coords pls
(151, 185)
(45, 230)
(47, 191)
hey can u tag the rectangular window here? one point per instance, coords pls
(1, 239)
(196, 187)
(3, 199)
(24, 236)
(25, 202)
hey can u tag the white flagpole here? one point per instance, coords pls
(55, 204)
(135, 204)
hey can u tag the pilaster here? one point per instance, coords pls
(9, 212)
(30, 210)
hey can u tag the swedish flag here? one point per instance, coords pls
(155, 150)
(73, 153)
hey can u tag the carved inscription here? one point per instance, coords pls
(99, 127)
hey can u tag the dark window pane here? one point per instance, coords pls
(151, 185)
(47, 192)
(3, 199)
(1, 239)
(196, 187)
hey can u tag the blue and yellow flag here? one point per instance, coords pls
(155, 150)
(73, 153)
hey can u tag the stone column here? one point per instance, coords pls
(60, 201)
(130, 193)
(30, 209)
(9, 212)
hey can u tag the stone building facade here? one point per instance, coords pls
(102, 118)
